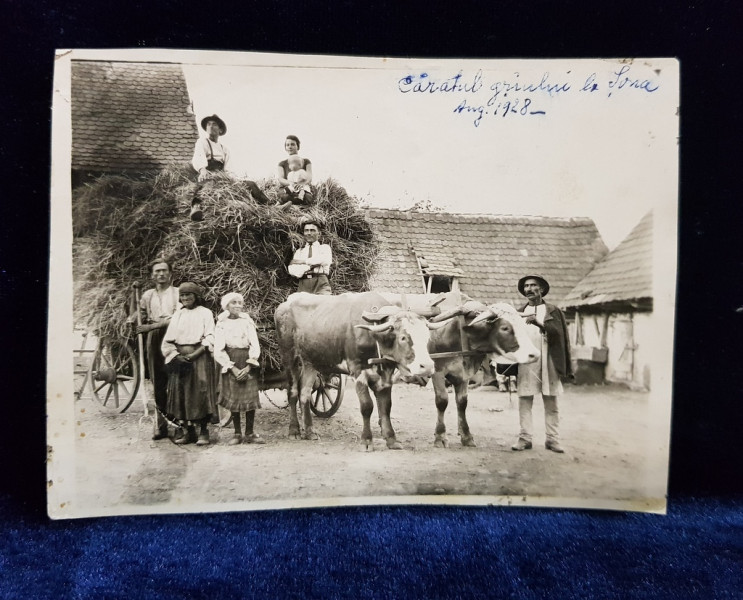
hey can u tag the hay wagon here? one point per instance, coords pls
(122, 222)
(112, 369)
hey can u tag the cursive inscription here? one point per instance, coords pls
(518, 95)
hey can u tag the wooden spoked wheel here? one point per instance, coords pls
(114, 375)
(327, 394)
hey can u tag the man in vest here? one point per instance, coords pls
(210, 158)
(157, 305)
(311, 263)
(549, 332)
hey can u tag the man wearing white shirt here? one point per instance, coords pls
(549, 332)
(157, 306)
(311, 263)
(210, 158)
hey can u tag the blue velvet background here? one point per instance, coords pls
(384, 552)
(393, 552)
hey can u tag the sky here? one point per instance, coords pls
(580, 138)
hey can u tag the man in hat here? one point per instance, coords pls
(549, 332)
(157, 306)
(210, 157)
(311, 263)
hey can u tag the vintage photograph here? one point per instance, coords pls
(282, 281)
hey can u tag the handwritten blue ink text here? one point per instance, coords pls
(423, 83)
(501, 89)
(621, 81)
(502, 109)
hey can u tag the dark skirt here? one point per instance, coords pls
(234, 395)
(192, 387)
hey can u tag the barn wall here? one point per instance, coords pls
(628, 360)
(628, 341)
(643, 334)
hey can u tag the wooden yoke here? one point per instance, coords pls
(463, 339)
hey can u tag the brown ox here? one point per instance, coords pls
(328, 334)
(460, 345)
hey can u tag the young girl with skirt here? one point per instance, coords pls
(237, 350)
(187, 347)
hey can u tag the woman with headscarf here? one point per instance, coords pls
(236, 349)
(210, 158)
(187, 347)
(293, 191)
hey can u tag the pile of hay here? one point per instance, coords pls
(120, 224)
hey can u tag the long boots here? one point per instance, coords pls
(204, 434)
(196, 213)
(189, 437)
(238, 437)
(250, 436)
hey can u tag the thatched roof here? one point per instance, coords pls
(488, 254)
(624, 276)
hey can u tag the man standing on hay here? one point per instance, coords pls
(311, 263)
(157, 306)
(210, 158)
(549, 332)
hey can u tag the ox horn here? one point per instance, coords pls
(484, 316)
(449, 314)
(438, 325)
(378, 328)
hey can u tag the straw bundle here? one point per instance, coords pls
(121, 224)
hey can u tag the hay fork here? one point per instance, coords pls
(140, 347)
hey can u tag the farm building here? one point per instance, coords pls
(129, 118)
(611, 311)
(482, 256)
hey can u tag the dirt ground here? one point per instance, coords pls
(607, 431)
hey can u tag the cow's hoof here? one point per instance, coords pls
(469, 442)
(368, 446)
(440, 442)
(294, 434)
(393, 444)
(310, 435)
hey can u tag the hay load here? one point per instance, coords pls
(121, 223)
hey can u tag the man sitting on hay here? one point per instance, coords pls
(210, 159)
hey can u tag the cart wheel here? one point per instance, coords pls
(327, 394)
(114, 375)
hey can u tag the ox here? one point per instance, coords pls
(460, 345)
(496, 329)
(327, 334)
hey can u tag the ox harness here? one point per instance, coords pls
(465, 351)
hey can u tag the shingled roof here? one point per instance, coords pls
(624, 275)
(130, 116)
(489, 254)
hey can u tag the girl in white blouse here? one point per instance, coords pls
(236, 349)
(187, 347)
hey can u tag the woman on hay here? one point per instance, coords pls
(210, 158)
(294, 192)
(187, 347)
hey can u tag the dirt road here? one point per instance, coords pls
(611, 454)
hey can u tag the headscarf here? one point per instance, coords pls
(191, 288)
(227, 298)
